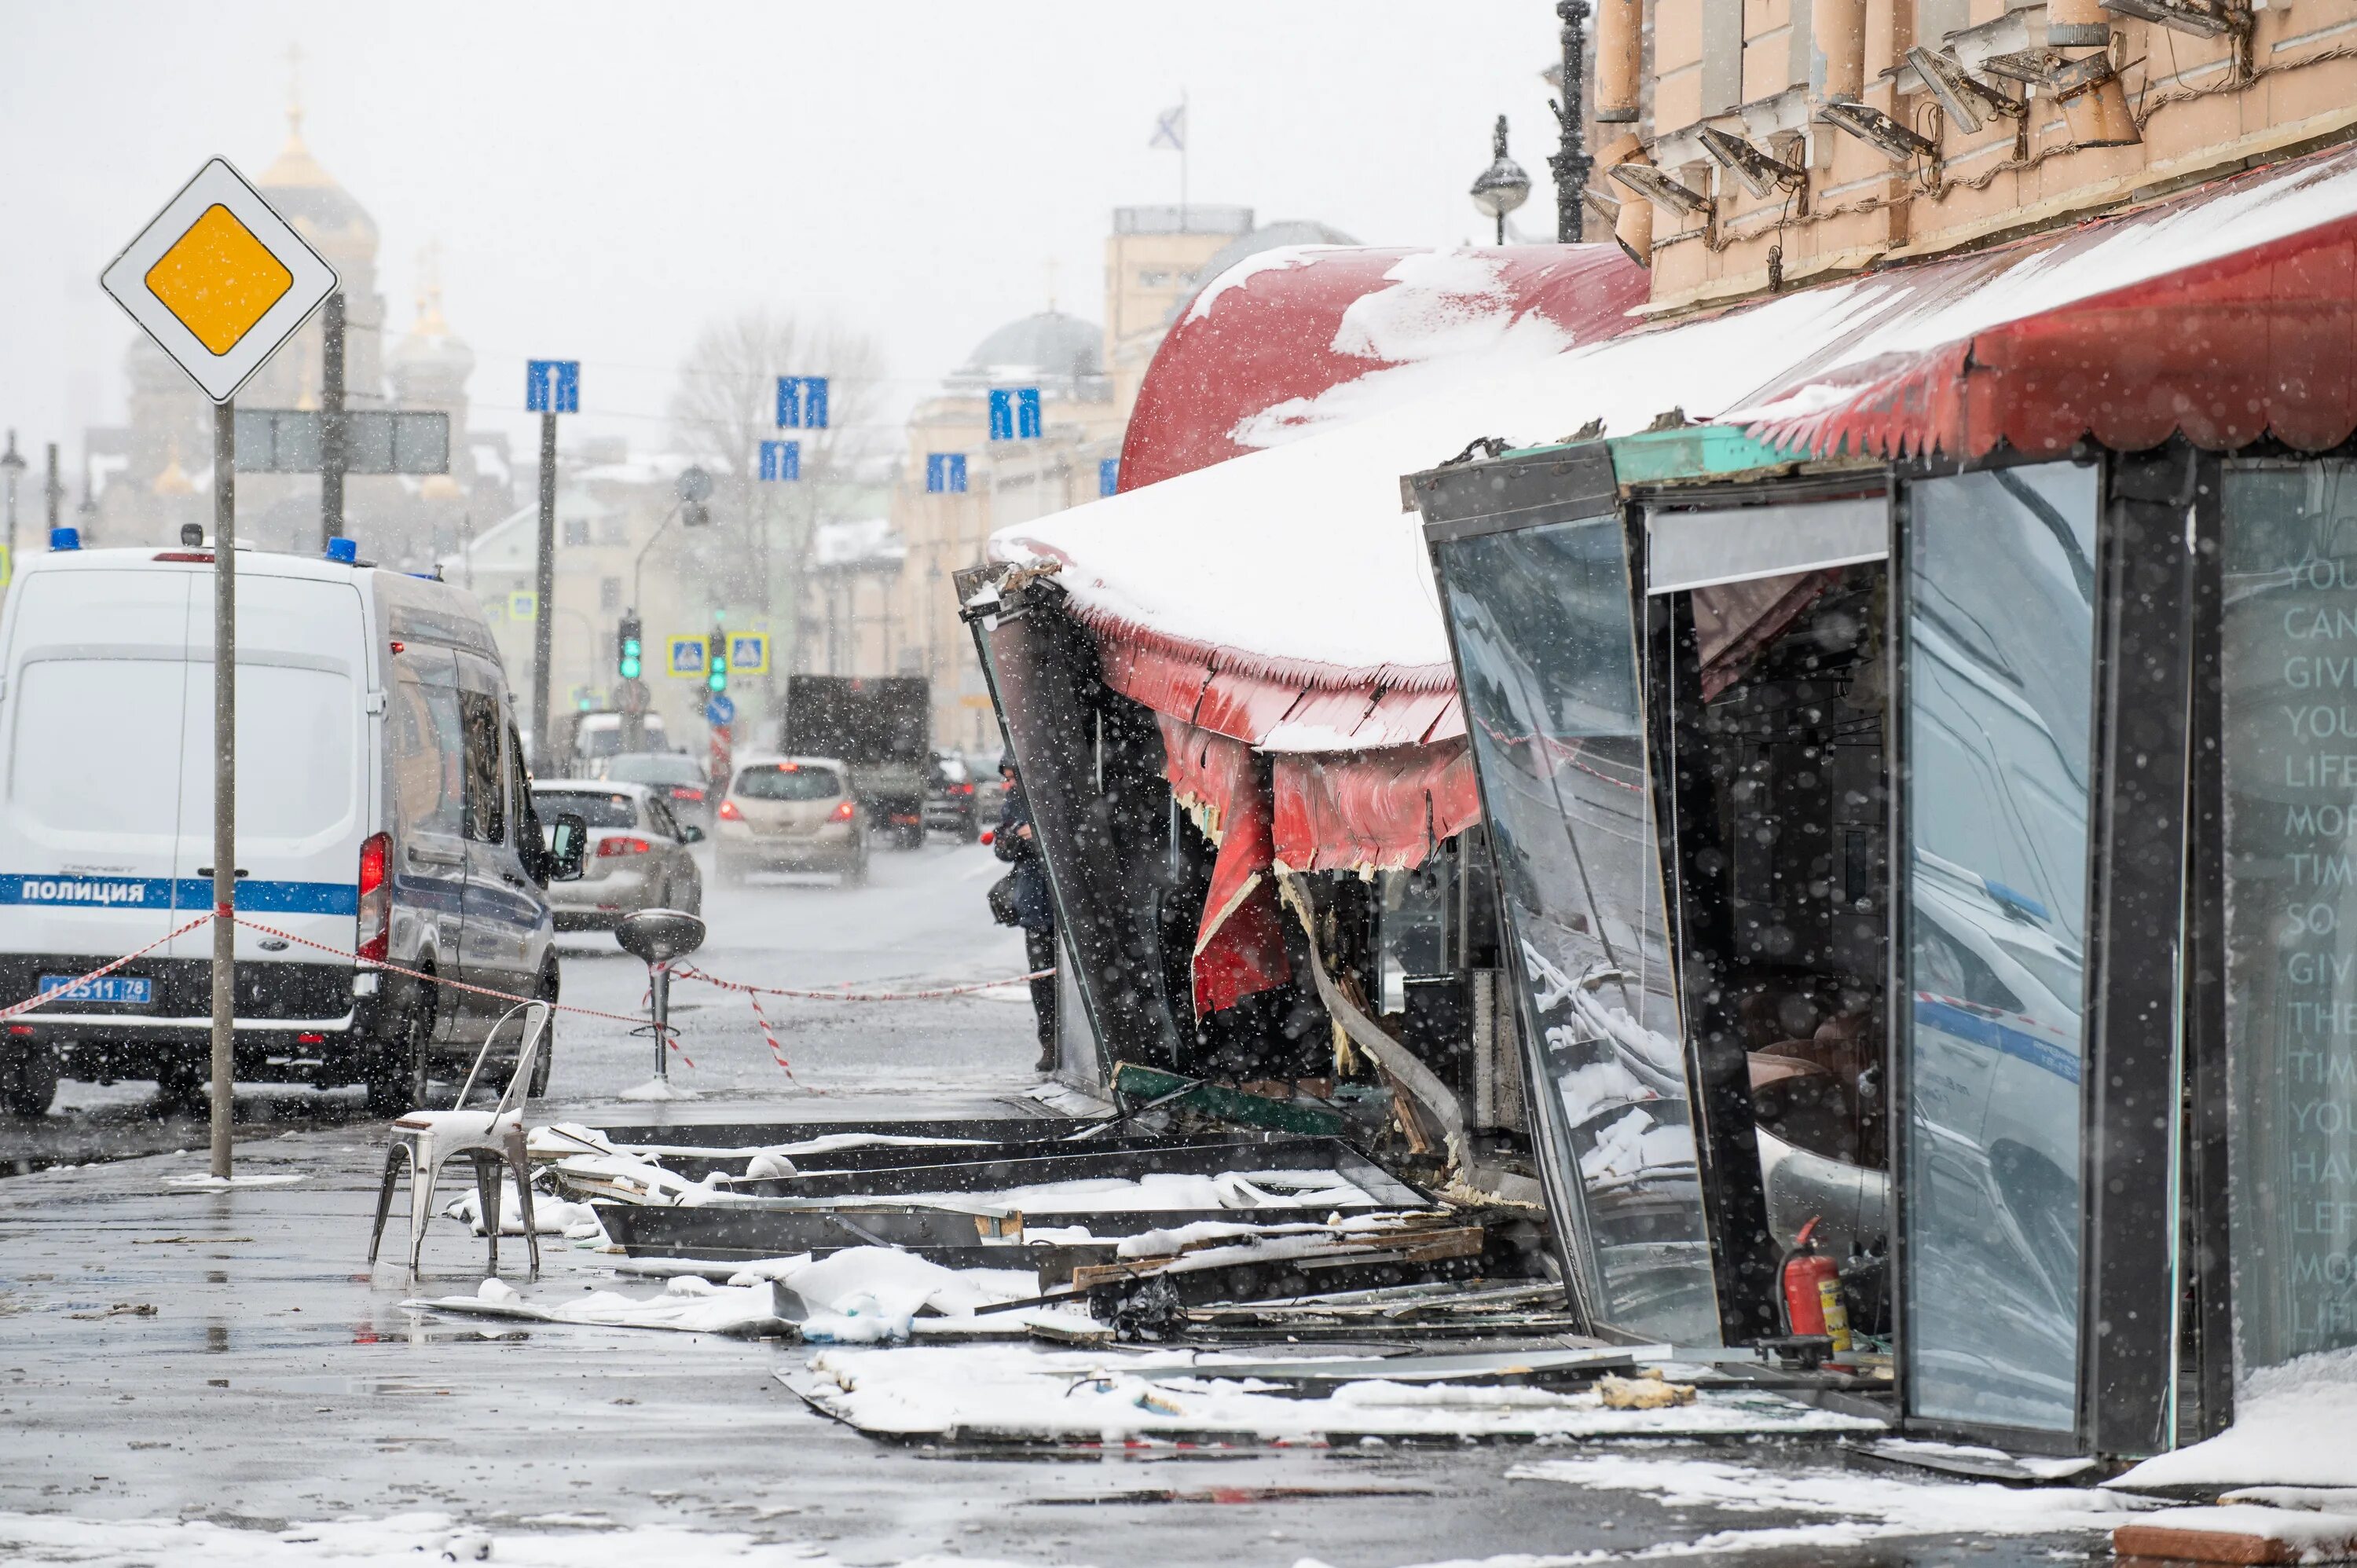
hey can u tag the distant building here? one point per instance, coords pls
(1157, 259)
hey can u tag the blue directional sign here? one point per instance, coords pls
(721, 709)
(802, 402)
(781, 459)
(551, 386)
(1108, 476)
(1015, 414)
(946, 473)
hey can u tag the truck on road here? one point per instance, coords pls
(879, 728)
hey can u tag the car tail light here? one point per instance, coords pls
(20, 1028)
(372, 937)
(729, 813)
(622, 846)
(845, 811)
(960, 789)
(681, 792)
(307, 1038)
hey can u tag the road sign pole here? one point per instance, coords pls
(331, 418)
(543, 621)
(225, 774)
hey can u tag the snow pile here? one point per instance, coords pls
(558, 1139)
(550, 1216)
(1856, 1508)
(2292, 1427)
(2315, 1537)
(863, 1296)
(407, 1540)
(1016, 1393)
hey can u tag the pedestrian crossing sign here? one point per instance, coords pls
(523, 606)
(686, 660)
(748, 653)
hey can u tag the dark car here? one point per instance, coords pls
(950, 804)
(677, 776)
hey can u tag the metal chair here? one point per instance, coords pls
(493, 1138)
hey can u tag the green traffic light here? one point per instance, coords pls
(717, 679)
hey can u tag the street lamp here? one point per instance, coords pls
(1502, 186)
(10, 465)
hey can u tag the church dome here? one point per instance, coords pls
(308, 196)
(431, 356)
(1050, 343)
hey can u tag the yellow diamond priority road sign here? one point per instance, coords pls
(219, 280)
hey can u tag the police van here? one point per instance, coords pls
(384, 817)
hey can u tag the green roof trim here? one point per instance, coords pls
(1697, 452)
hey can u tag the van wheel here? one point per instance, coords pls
(398, 1075)
(32, 1081)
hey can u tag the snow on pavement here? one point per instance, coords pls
(2292, 1426)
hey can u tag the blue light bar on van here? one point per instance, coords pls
(343, 551)
(65, 539)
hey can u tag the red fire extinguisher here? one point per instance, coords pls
(1810, 1280)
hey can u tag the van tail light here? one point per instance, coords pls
(729, 813)
(622, 846)
(683, 792)
(845, 811)
(373, 939)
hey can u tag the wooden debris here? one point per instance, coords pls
(1647, 1391)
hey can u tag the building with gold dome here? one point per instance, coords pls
(156, 467)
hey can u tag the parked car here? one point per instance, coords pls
(584, 740)
(676, 776)
(950, 805)
(382, 815)
(792, 813)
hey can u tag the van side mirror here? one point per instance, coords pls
(568, 842)
(690, 833)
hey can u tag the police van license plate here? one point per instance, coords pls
(120, 988)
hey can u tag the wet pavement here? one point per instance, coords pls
(170, 1353)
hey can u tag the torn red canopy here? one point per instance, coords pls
(2260, 341)
(1240, 940)
(1372, 809)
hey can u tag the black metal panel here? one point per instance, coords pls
(1472, 499)
(898, 1156)
(715, 1135)
(997, 1172)
(2207, 1345)
(2128, 1344)
(1097, 842)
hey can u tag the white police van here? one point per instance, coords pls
(383, 813)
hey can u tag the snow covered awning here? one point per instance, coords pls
(1264, 595)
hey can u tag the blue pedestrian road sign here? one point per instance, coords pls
(551, 386)
(686, 660)
(802, 402)
(781, 459)
(946, 473)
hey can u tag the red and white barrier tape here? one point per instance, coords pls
(689, 972)
(752, 994)
(54, 992)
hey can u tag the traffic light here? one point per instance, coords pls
(715, 661)
(627, 646)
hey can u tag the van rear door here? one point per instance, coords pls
(92, 715)
(302, 783)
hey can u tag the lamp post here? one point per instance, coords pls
(1502, 186)
(11, 465)
(1571, 162)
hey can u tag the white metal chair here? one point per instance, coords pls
(493, 1138)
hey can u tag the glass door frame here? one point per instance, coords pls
(2150, 947)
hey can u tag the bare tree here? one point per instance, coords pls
(726, 406)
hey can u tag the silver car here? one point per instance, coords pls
(636, 858)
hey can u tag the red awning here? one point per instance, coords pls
(2259, 341)
(1240, 938)
(1253, 358)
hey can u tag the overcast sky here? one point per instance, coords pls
(603, 177)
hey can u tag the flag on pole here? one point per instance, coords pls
(1170, 129)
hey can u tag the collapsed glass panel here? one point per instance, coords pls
(1549, 656)
(2289, 660)
(2000, 621)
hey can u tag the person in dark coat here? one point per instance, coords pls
(1035, 910)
